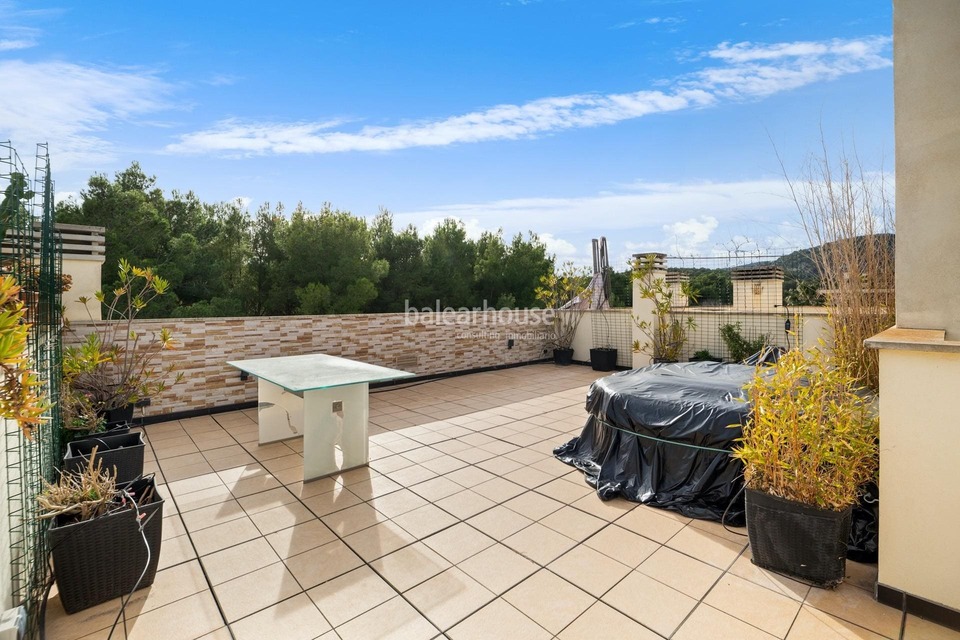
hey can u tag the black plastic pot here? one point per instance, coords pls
(101, 559)
(123, 452)
(119, 415)
(603, 359)
(797, 540)
(563, 356)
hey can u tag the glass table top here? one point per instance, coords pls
(316, 371)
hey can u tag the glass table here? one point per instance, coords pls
(324, 399)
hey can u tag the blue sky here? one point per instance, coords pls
(653, 123)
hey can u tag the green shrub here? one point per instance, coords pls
(740, 347)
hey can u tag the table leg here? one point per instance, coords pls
(324, 428)
(280, 413)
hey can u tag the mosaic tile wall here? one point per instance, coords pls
(429, 344)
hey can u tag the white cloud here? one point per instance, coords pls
(67, 105)
(243, 201)
(20, 43)
(691, 235)
(745, 71)
(558, 246)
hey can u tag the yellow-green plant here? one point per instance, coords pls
(666, 334)
(811, 435)
(565, 293)
(21, 396)
(115, 365)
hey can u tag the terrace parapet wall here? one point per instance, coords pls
(425, 344)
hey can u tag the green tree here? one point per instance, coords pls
(448, 257)
(403, 252)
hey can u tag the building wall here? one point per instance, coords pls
(920, 503)
(427, 344)
(85, 274)
(927, 100)
(6, 586)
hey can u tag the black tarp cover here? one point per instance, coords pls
(661, 435)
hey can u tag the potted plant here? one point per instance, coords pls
(603, 358)
(104, 537)
(666, 334)
(114, 367)
(565, 295)
(121, 453)
(810, 442)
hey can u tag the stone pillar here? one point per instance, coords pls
(643, 309)
(757, 288)
(676, 282)
(920, 357)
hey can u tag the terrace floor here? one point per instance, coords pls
(463, 526)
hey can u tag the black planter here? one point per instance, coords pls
(119, 415)
(123, 452)
(563, 356)
(101, 559)
(796, 540)
(603, 359)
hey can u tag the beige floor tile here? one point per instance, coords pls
(857, 606)
(409, 476)
(861, 575)
(424, 521)
(755, 605)
(224, 535)
(468, 477)
(459, 542)
(500, 466)
(603, 621)
(533, 505)
(539, 543)
(465, 504)
(606, 510)
(623, 546)
(436, 489)
(449, 597)
(353, 519)
(255, 484)
(920, 629)
(254, 591)
(174, 551)
(589, 569)
(529, 477)
(498, 620)
(651, 603)
(322, 563)
(302, 537)
(812, 624)
(351, 594)
(499, 522)
(397, 503)
(735, 534)
(410, 566)
(266, 500)
(203, 498)
(681, 572)
(394, 619)
(744, 568)
(184, 619)
(223, 633)
(388, 463)
(282, 517)
(331, 501)
(650, 523)
(198, 483)
(379, 540)
(707, 622)
(312, 488)
(374, 487)
(498, 568)
(239, 560)
(498, 490)
(565, 491)
(294, 619)
(443, 463)
(549, 600)
(213, 515)
(707, 547)
(573, 523)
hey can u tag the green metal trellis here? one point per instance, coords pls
(30, 250)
